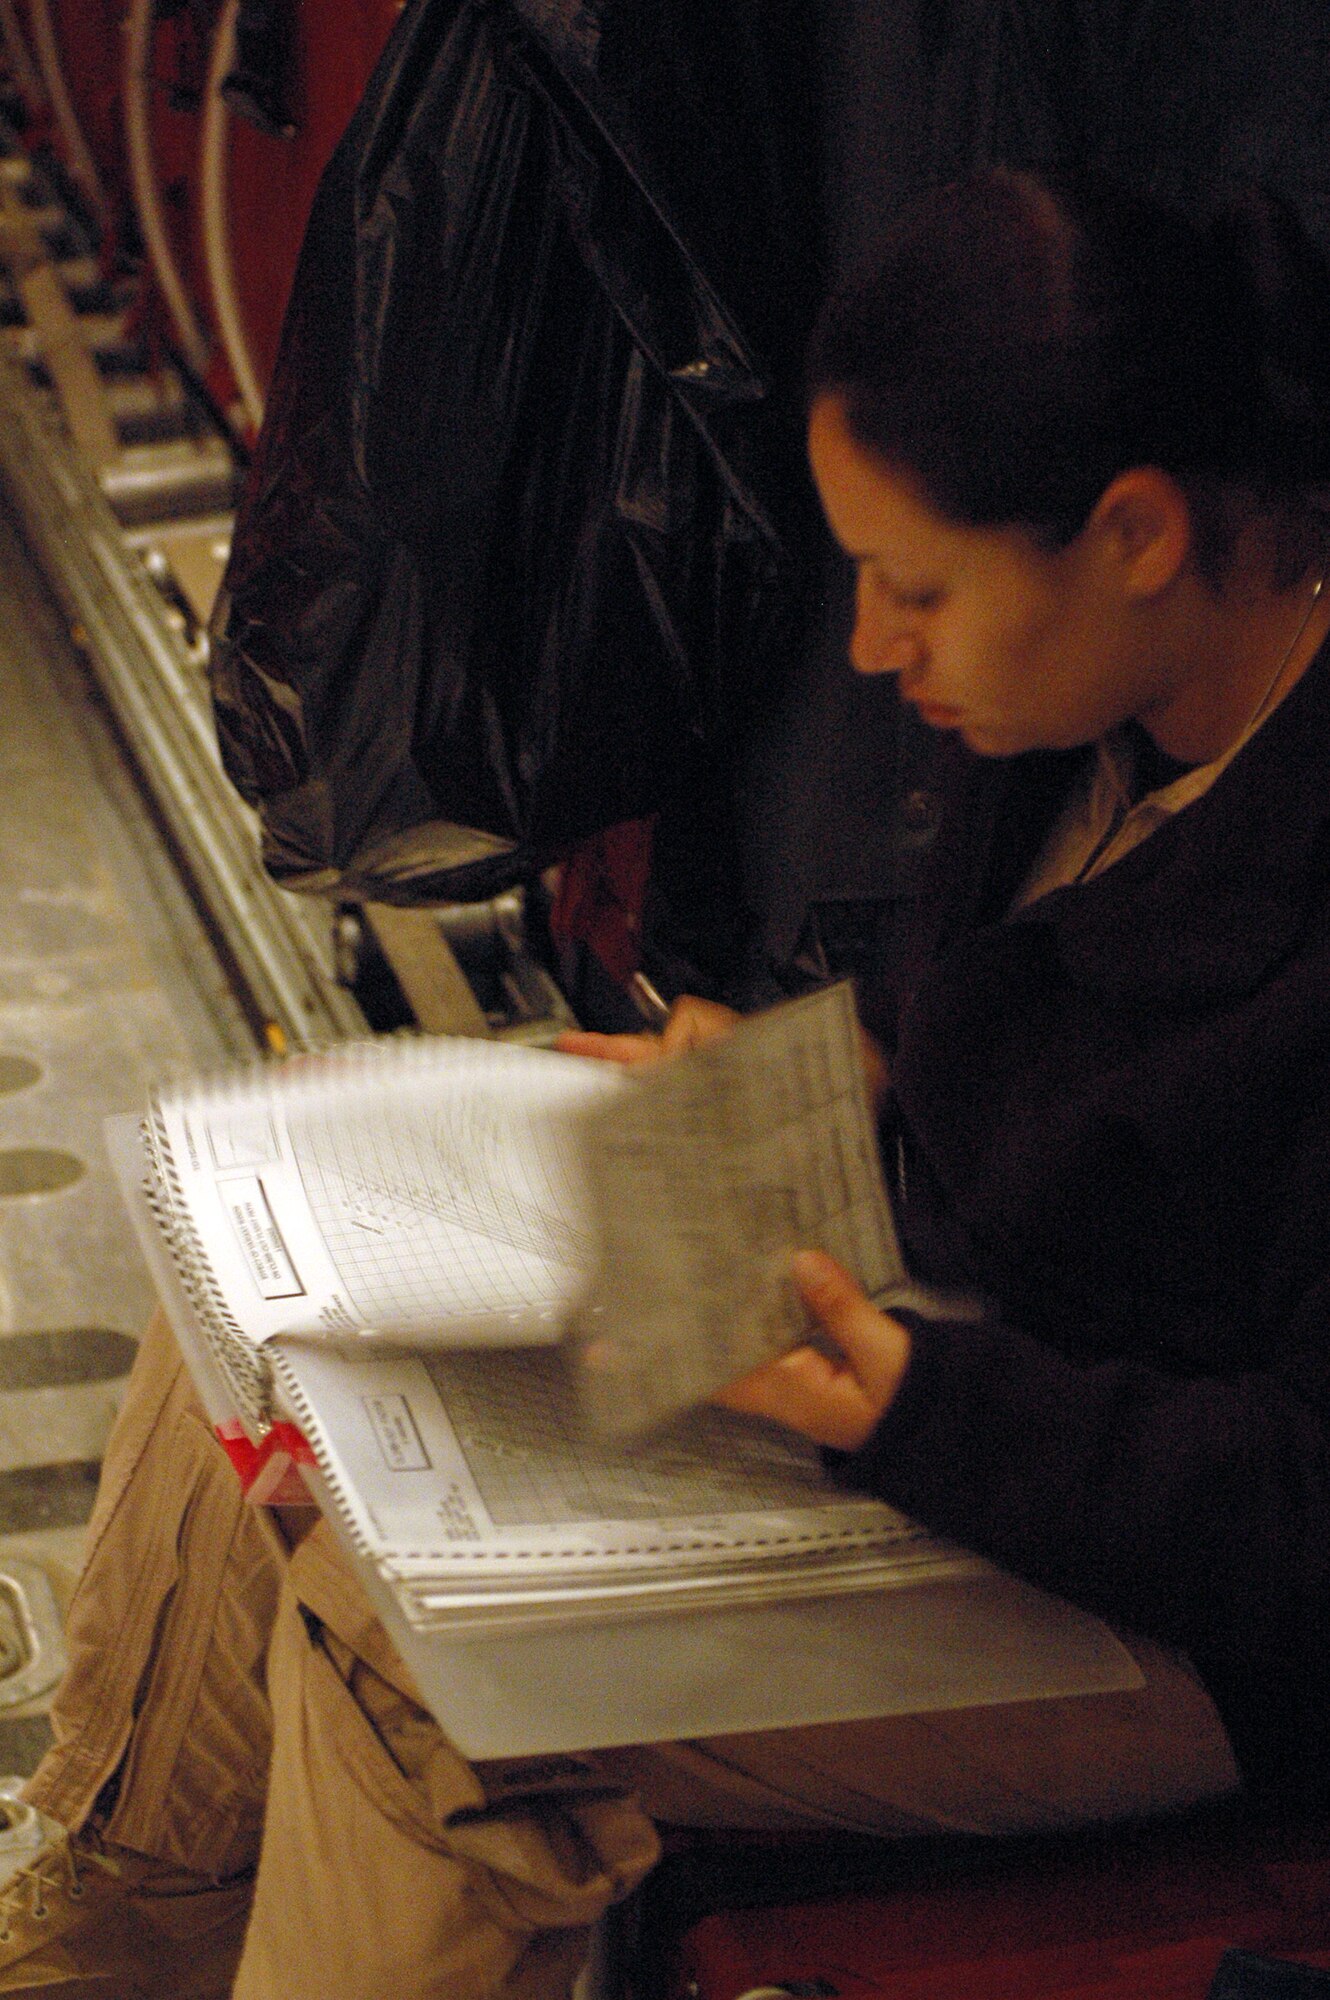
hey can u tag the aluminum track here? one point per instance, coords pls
(155, 691)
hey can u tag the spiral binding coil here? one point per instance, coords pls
(311, 1429)
(245, 1371)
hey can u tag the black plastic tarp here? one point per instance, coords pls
(528, 522)
(529, 547)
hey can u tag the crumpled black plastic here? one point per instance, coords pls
(528, 518)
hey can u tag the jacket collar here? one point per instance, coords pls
(1206, 904)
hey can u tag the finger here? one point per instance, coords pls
(629, 1051)
(780, 1387)
(693, 1022)
(876, 1346)
(837, 1301)
(807, 1391)
(876, 1073)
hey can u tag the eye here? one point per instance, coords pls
(901, 597)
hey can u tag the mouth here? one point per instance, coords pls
(935, 713)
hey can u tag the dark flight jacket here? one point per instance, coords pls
(1111, 1117)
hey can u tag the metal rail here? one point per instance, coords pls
(155, 693)
(124, 490)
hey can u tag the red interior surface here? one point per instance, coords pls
(1146, 1917)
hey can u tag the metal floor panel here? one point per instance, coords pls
(108, 982)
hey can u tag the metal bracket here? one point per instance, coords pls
(32, 1646)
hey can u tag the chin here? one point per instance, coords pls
(992, 742)
(998, 740)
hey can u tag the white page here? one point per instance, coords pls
(416, 1191)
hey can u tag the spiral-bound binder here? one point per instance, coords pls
(244, 1368)
(438, 1193)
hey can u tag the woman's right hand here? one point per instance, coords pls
(691, 1024)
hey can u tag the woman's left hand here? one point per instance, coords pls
(834, 1401)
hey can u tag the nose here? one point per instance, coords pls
(883, 642)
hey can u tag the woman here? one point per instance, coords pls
(1071, 445)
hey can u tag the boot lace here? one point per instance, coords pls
(53, 1872)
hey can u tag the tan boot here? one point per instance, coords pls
(101, 1924)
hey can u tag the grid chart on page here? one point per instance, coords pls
(435, 1185)
(514, 1418)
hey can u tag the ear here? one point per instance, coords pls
(1142, 526)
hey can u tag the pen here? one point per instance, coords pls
(652, 1005)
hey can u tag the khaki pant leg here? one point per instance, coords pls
(1015, 1767)
(167, 1635)
(396, 1866)
(385, 1868)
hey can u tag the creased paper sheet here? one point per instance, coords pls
(703, 1185)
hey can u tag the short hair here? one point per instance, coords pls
(1025, 337)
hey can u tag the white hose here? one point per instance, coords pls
(194, 346)
(217, 256)
(78, 153)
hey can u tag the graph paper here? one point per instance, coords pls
(536, 1465)
(472, 1185)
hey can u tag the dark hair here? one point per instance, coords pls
(1027, 337)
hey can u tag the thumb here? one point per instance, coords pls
(844, 1310)
(827, 1289)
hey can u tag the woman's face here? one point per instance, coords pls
(1015, 647)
